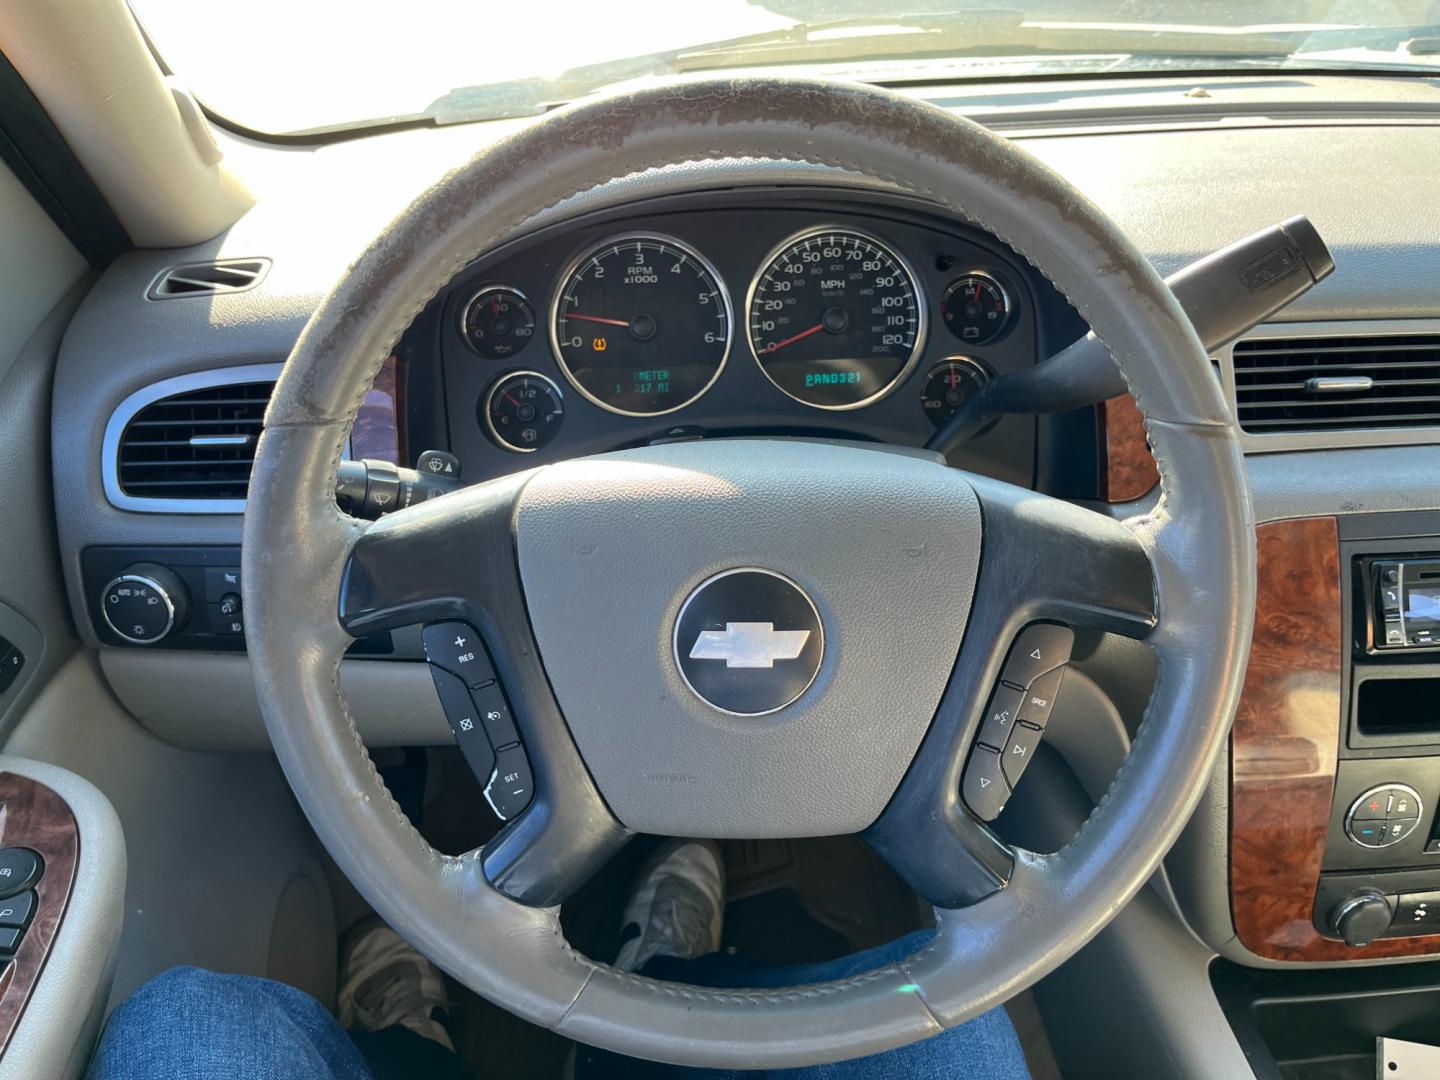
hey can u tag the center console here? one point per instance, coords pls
(62, 893)
(1335, 843)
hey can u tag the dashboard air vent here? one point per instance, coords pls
(195, 445)
(207, 279)
(1337, 383)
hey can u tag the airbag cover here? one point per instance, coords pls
(886, 544)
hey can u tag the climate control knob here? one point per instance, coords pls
(1361, 918)
(144, 603)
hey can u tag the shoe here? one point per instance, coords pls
(678, 906)
(385, 982)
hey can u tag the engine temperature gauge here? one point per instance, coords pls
(950, 384)
(976, 308)
(523, 411)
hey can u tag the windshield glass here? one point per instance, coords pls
(277, 66)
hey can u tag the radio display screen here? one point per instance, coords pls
(1422, 607)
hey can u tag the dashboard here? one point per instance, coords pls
(1157, 181)
(790, 312)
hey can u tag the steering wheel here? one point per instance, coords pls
(577, 575)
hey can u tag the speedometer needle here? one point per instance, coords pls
(794, 338)
(597, 318)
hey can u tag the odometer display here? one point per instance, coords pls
(641, 325)
(835, 319)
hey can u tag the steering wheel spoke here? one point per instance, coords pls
(449, 563)
(1047, 568)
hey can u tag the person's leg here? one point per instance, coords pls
(201, 1025)
(190, 1024)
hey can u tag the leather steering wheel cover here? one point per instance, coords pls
(1200, 538)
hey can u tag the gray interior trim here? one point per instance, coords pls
(31, 585)
(1332, 438)
(146, 395)
(1138, 999)
(394, 702)
(62, 1019)
(213, 841)
(25, 636)
(88, 64)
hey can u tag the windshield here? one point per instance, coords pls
(282, 67)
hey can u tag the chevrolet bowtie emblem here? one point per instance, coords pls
(749, 644)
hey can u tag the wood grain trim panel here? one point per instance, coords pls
(1284, 750)
(33, 816)
(1127, 468)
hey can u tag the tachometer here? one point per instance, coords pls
(641, 324)
(835, 318)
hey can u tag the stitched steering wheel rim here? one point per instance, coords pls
(1199, 540)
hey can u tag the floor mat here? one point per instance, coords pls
(836, 882)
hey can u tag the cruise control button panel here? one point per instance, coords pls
(1015, 716)
(479, 715)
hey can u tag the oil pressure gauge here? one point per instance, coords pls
(498, 322)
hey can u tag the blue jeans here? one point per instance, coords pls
(189, 1024)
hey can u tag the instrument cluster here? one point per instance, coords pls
(734, 313)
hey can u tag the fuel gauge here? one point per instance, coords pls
(523, 411)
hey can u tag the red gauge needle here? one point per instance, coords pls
(597, 318)
(795, 337)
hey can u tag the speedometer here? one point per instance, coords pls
(835, 319)
(641, 324)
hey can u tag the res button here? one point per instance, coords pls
(456, 647)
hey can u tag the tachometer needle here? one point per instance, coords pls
(597, 318)
(794, 338)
